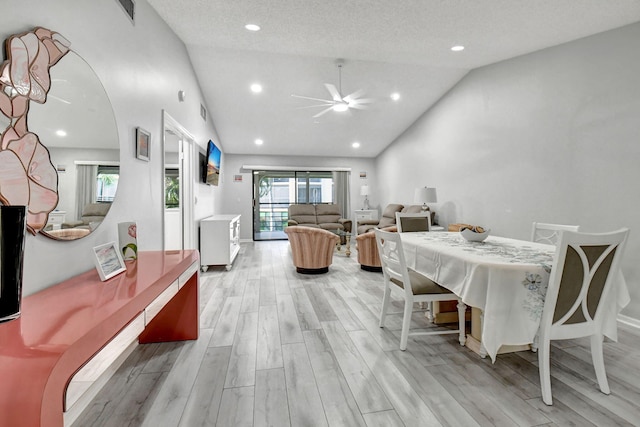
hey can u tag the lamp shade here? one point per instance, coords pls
(364, 190)
(425, 195)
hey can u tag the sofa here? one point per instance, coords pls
(92, 215)
(325, 216)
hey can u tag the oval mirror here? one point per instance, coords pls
(78, 127)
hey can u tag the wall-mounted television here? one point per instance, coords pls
(212, 169)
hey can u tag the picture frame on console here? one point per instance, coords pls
(109, 261)
(143, 141)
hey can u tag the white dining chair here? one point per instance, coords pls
(414, 222)
(580, 281)
(411, 286)
(411, 222)
(542, 232)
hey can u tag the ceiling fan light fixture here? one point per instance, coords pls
(340, 107)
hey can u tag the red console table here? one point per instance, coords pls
(63, 326)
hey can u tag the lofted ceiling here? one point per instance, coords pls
(387, 46)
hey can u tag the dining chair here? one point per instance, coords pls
(576, 301)
(410, 222)
(411, 286)
(549, 233)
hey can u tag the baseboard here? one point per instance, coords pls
(629, 321)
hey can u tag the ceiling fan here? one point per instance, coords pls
(338, 102)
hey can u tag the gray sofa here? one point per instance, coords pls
(92, 215)
(325, 216)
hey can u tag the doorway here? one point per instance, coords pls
(178, 183)
(274, 191)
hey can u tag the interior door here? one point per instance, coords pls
(179, 180)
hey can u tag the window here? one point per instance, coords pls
(107, 183)
(171, 188)
(276, 190)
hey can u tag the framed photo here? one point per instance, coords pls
(108, 260)
(143, 142)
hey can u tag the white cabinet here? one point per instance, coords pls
(56, 218)
(366, 214)
(219, 240)
(361, 215)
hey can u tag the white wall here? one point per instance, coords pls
(550, 136)
(142, 68)
(237, 196)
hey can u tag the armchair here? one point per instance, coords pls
(387, 219)
(311, 248)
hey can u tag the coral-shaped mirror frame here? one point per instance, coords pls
(27, 176)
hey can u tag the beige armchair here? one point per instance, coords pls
(368, 257)
(311, 248)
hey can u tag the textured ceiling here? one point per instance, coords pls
(387, 46)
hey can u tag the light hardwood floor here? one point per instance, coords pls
(277, 348)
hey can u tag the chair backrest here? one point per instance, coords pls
(580, 280)
(409, 222)
(549, 233)
(392, 258)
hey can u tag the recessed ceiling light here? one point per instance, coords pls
(356, 145)
(256, 88)
(259, 141)
(457, 48)
(61, 132)
(395, 96)
(252, 27)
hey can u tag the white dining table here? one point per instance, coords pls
(505, 278)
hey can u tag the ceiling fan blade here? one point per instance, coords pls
(313, 99)
(59, 99)
(363, 101)
(314, 106)
(326, 110)
(353, 96)
(359, 106)
(333, 91)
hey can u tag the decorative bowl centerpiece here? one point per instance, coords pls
(475, 233)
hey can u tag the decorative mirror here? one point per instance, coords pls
(59, 147)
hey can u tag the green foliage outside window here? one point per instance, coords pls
(172, 192)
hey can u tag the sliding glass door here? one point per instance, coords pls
(274, 191)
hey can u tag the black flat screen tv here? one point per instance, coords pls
(212, 169)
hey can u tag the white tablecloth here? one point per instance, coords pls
(507, 279)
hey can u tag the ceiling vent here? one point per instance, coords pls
(203, 112)
(129, 7)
